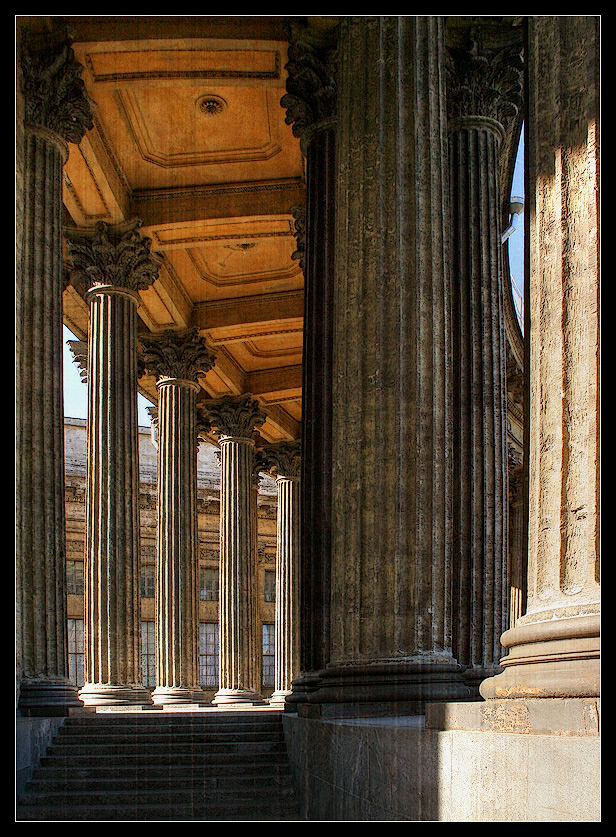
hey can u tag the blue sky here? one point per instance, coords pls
(76, 392)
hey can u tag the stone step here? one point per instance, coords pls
(137, 738)
(270, 768)
(183, 728)
(197, 748)
(259, 779)
(160, 812)
(174, 717)
(139, 758)
(177, 795)
(168, 769)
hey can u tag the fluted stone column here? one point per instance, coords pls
(234, 421)
(177, 359)
(391, 608)
(553, 650)
(56, 112)
(483, 92)
(310, 102)
(117, 263)
(284, 462)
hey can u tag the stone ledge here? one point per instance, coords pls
(528, 716)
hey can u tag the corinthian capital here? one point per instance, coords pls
(236, 416)
(484, 81)
(54, 93)
(79, 351)
(282, 459)
(176, 354)
(112, 255)
(311, 84)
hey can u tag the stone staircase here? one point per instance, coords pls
(164, 765)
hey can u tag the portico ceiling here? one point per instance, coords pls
(189, 136)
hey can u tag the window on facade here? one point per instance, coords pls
(74, 578)
(268, 655)
(75, 651)
(209, 585)
(147, 575)
(269, 587)
(208, 654)
(148, 654)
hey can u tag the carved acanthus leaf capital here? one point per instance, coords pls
(54, 93)
(299, 214)
(282, 459)
(177, 354)
(203, 425)
(484, 82)
(311, 82)
(113, 255)
(235, 416)
(79, 351)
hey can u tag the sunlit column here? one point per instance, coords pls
(116, 263)
(177, 359)
(56, 112)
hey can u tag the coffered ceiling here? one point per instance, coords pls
(189, 136)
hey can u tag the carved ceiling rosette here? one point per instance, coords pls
(177, 354)
(114, 255)
(282, 459)
(311, 83)
(484, 81)
(55, 96)
(235, 416)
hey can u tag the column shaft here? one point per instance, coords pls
(177, 648)
(51, 102)
(112, 616)
(554, 647)
(239, 643)
(391, 609)
(287, 630)
(40, 440)
(480, 396)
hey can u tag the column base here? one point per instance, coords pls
(303, 687)
(411, 684)
(279, 697)
(556, 658)
(235, 697)
(108, 694)
(53, 696)
(178, 694)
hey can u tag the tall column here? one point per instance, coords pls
(117, 263)
(311, 103)
(56, 112)
(391, 609)
(553, 650)
(483, 92)
(284, 462)
(177, 360)
(234, 420)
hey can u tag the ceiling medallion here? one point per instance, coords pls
(211, 105)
